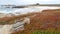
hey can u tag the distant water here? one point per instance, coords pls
(25, 10)
(6, 10)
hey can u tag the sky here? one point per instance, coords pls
(25, 2)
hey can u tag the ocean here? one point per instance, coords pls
(26, 10)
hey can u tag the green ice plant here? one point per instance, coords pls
(3, 23)
(45, 32)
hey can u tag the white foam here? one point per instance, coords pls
(28, 10)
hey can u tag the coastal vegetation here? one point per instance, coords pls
(45, 22)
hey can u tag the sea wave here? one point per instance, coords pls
(26, 10)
